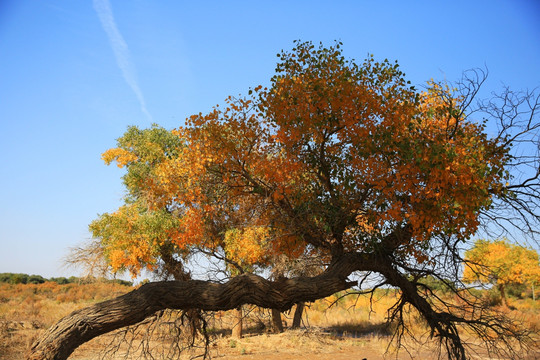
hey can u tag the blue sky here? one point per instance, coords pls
(75, 74)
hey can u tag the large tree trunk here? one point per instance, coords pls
(59, 341)
(297, 319)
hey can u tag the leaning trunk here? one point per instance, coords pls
(59, 341)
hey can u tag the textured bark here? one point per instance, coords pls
(297, 319)
(277, 324)
(59, 341)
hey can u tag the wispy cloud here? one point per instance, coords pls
(120, 49)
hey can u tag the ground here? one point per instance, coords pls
(314, 344)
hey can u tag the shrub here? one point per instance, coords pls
(492, 297)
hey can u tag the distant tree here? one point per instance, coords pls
(19, 278)
(5, 277)
(36, 279)
(349, 161)
(121, 282)
(501, 263)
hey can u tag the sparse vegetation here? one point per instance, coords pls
(26, 308)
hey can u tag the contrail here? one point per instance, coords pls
(120, 49)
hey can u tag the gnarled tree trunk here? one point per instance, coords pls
(59, 341)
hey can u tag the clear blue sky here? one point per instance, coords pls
(75, 74)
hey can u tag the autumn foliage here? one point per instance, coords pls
(330, 156)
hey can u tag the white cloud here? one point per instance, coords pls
(121, 50)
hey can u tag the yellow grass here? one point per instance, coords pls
(28, 309)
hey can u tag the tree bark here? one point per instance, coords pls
(297, 319)
(277, 324)
(59, 341)
(237, 326)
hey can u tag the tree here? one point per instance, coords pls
(36, 279)
(342, 160)
(501, 263)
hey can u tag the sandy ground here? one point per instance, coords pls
(307, 346)
(291, 345)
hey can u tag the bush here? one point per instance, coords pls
(517, 290)
(438, 285)
(492, 297)
(19, 279)
(121, 282)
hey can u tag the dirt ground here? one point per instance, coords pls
(349, 349)
(312, 345)
(304, 345)
(293, 345)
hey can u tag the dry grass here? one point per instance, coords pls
(28, 309)
(297, 344)
(350, 311)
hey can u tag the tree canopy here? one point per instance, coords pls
(336, 159)
(332, 155)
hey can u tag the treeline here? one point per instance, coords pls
(13, 278)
